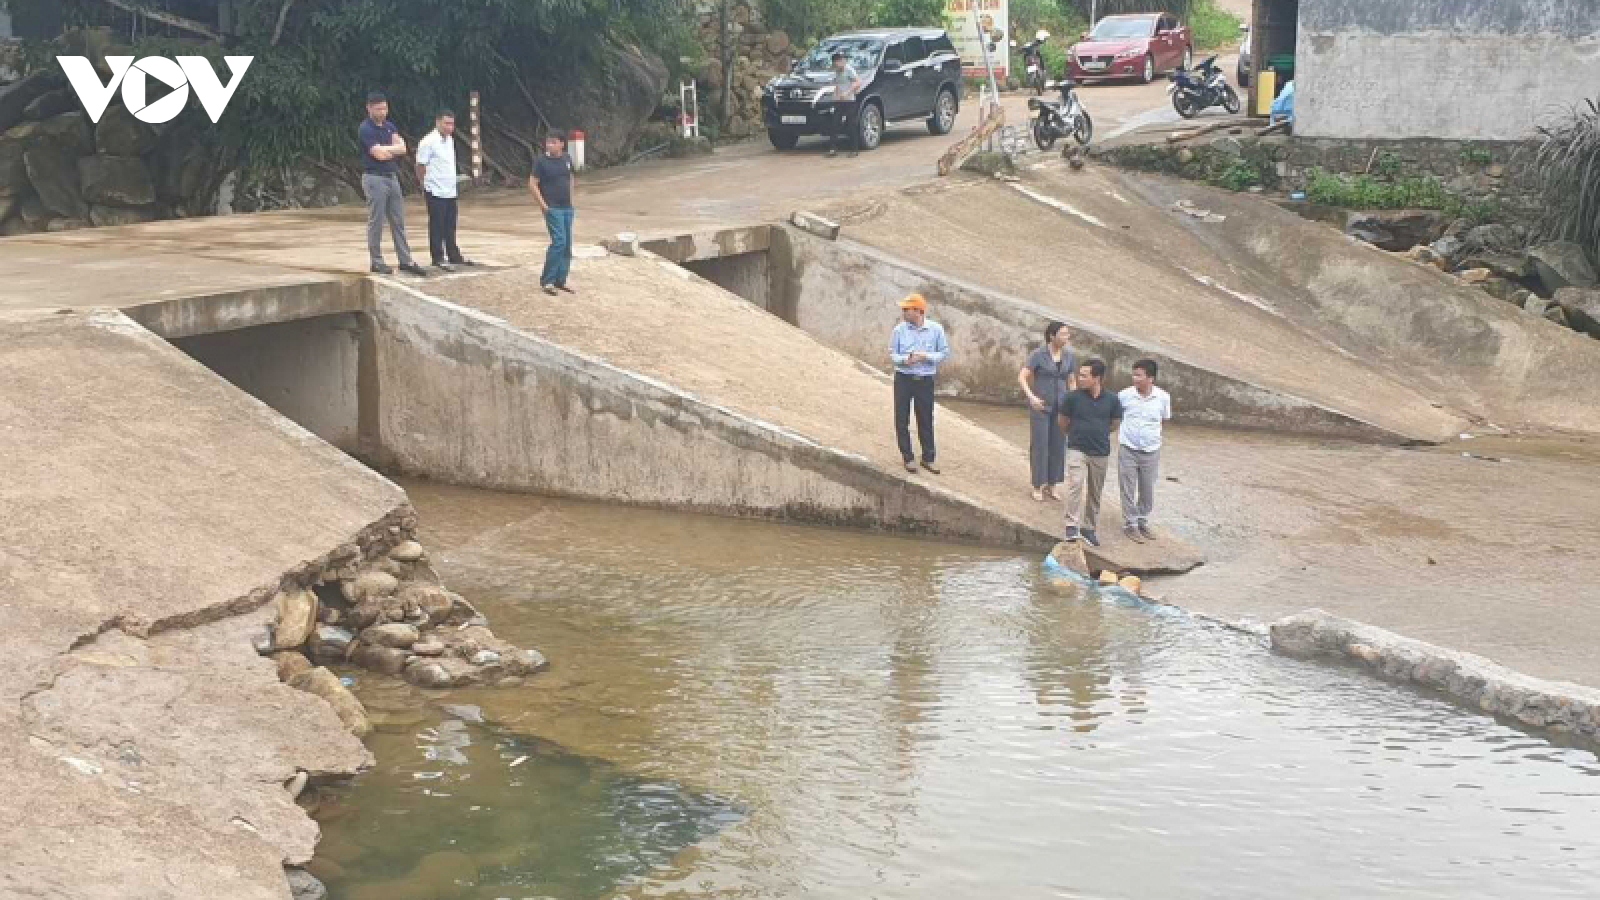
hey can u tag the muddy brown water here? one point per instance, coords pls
(742, 709)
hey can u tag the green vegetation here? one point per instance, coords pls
(315, 59)
(1387, 165)
(1474, 155)
(1213, 28)
(1566, 158)
(1371, 192)
(1240, 175)
(806, 21)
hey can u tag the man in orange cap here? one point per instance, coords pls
(916, 348)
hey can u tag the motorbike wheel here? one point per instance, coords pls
(1085, 130)
(1185, 105)
(1230, 101)
(1043, 135)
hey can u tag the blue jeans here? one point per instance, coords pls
(558, 259)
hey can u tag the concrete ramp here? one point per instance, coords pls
(1090, 249)
(654, 386)
(148, 511)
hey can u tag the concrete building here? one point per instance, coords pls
(1469, 70)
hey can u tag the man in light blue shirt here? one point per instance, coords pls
(436, 169)
(916, 348)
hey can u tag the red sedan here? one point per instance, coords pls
(1140, 46)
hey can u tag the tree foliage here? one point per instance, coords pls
(315, 60)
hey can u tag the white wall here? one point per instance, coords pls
(1452, 69)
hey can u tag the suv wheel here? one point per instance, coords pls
(869, 125)
(944, 112)
(783, 138)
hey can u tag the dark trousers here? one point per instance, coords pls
(844, 126)
(442, 214)
(918, 390)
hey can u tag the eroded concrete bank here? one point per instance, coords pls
(151, 513)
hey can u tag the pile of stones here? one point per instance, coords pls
(759, 53)
(380, 606)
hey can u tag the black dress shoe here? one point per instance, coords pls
(414, 269)
(930, 468)
(381, 269)
(463, 262)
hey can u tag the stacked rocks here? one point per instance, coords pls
(59, 171)
(759, 54)
(379, 605)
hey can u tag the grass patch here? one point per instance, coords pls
(1212, 28)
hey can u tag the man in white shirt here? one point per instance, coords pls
(436, 169)
(1144, 408)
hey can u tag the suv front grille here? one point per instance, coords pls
(805, 95)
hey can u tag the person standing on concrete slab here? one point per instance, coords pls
(382, 148)
(436, 169)
(1144, 408)
(846, 85)
(1050, 373)
(1089, 416)
(916, 347)
(553, 184)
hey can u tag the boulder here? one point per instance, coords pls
(1515, 266)
(14, 227)
(1397, 230)
(369, 585)
(67, 224)
(609, 102)
(1499, 288)
(69, 134)
(304, 886)
(15, 98)
(297, 616)
(116, 181)
(407, 552)
(120, 134)
(434, 601)
(428, 647)
(331, 644)
(1448, 248)
(52, 104)
(325, 684)
(13, 169)
(394, 634)
(1557, 315)
(1131, 583)
(1474, 276)
(1108, 578)
(1492, 238)
(54, 176)
(33, 212)
(385, 660)
(104, 216)
(1562, 264)
(290, 663)
(441, 672)
(472, 642)
(1069, 555)
(1582, 308)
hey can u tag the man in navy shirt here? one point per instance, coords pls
(552, 185)
(382, 148)
(1090, 415)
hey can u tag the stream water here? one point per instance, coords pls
(747, 710)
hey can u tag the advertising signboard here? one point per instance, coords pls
(994, 15)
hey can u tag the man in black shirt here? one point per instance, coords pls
(1089, 416)
(382, 148)
(552, 184)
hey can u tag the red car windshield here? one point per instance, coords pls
(1122, 29)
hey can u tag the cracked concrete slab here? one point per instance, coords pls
(150, 509)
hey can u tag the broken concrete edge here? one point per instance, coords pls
(1474, 681)
(811, 223)
(703, 245)
(1248, 405)
(899, 504)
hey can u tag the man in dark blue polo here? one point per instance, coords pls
(382, 148)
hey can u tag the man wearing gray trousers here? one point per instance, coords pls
(1144, 408)
(382, 148)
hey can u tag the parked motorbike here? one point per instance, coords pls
(1196, 90)
(1033, 61)
(1054, 119)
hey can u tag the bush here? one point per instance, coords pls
(1368, 192)
(1212, 28)
(1566, 158)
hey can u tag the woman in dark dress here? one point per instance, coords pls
(1046, 379)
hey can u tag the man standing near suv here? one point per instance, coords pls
(381, 149)
(846, 85)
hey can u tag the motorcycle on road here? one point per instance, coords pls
(1055, 119)
(1196, 90)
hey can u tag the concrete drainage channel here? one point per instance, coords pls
(413, 384)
